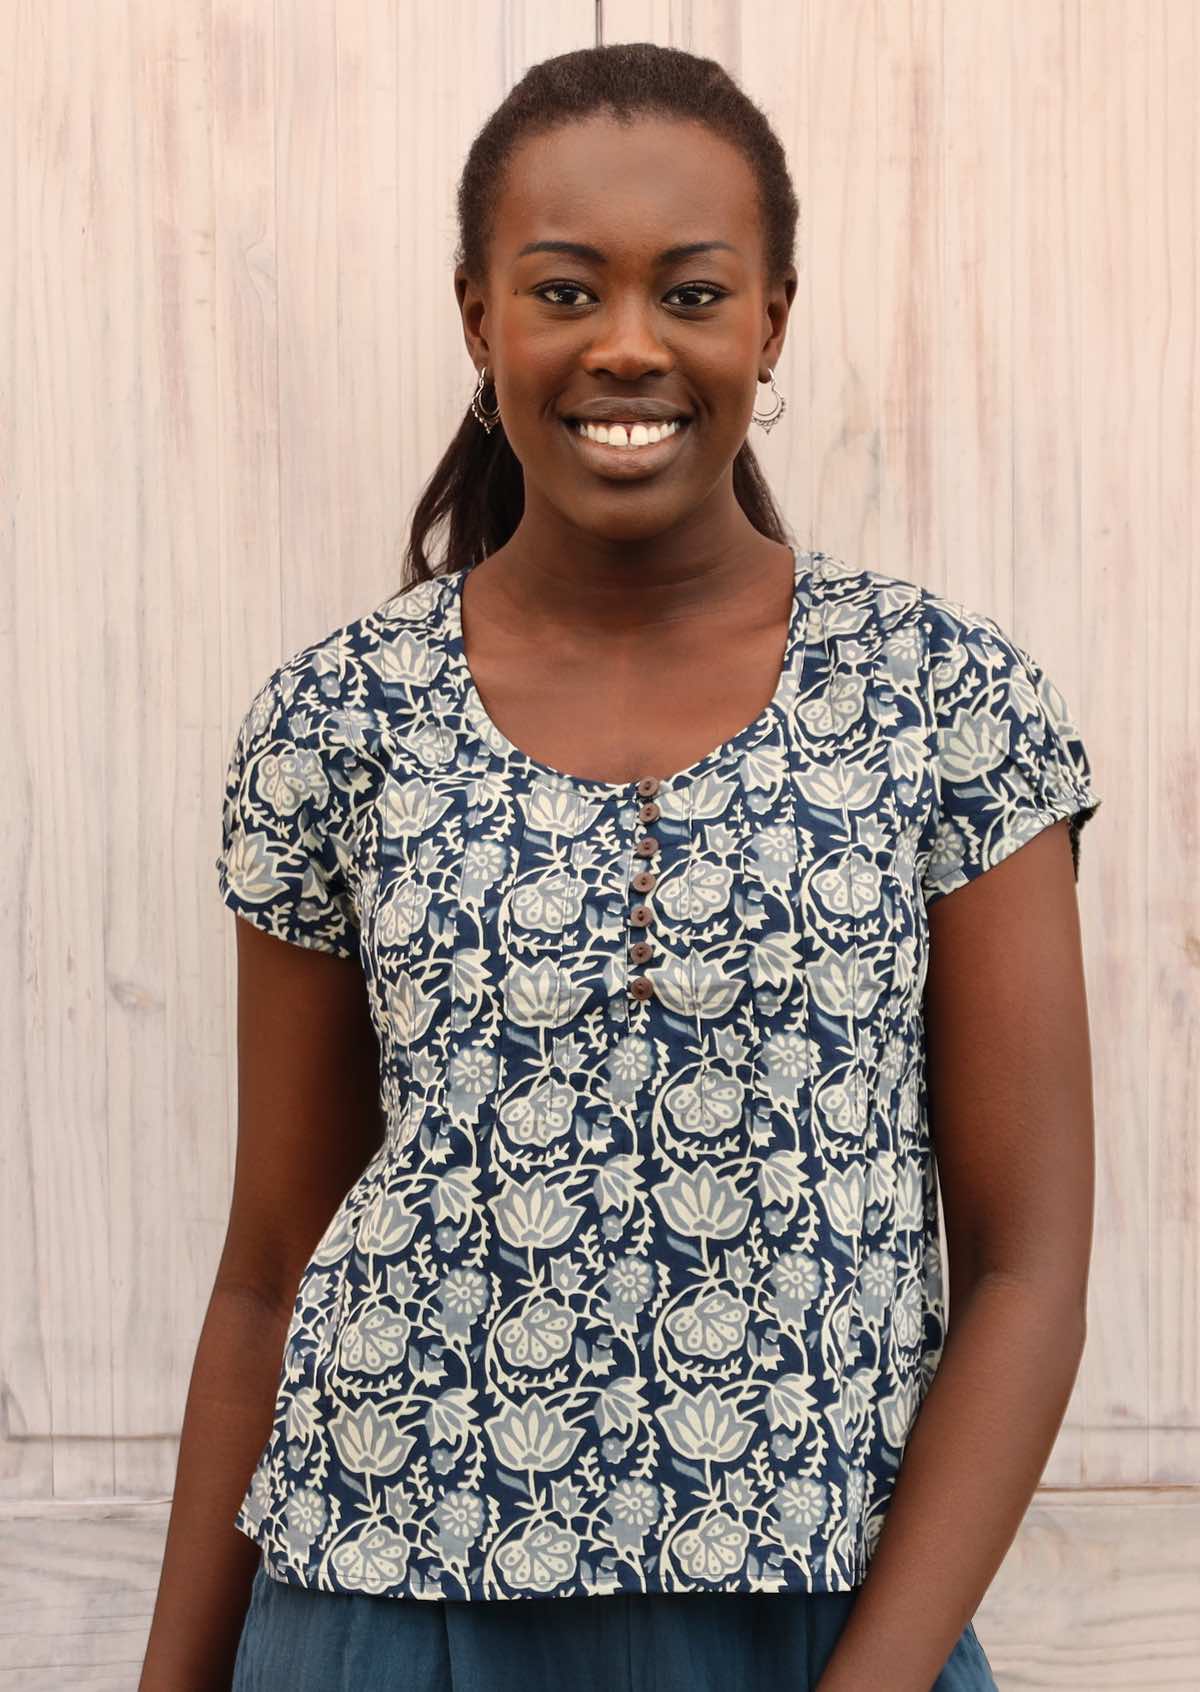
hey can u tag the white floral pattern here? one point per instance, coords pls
(638, 1294)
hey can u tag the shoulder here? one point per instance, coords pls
(958, 631)
(978, 666)
(348, 685)
(942, 631)
(850, 596)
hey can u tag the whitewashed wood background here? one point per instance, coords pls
(230, 355)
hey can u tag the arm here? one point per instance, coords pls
(308, 1122)
(1009, 1075)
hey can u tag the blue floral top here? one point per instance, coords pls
(643, 1290)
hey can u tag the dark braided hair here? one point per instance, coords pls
(478, 488)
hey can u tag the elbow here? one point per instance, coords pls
(1057, 1303)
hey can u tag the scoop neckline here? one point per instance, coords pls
(493, 737)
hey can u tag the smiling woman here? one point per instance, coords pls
(635, 332)
(598, 1349)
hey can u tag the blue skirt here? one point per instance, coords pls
(296, 1640)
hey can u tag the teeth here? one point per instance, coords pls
(616, 434)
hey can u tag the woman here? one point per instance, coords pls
(585, 1176)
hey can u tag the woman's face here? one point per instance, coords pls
(626, 320)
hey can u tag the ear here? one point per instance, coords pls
(778, 302)
(472, 306)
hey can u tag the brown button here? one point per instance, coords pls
(641, 916)
(644, 881)
(641, 951)
(641, 987)
(648, 786)
(647, 846)
(649, 812)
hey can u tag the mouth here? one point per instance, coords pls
(629, 452)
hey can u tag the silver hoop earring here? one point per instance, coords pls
(772, 417)
(489, 419)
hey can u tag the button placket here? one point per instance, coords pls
(641, 915)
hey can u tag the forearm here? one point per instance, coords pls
(974, 1456)
(208, 1564)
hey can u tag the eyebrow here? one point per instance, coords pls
(580, 249)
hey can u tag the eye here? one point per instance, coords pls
(557, 288)
(700, 288)
(681, 288)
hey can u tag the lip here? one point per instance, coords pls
(627, 464)
(609, 410)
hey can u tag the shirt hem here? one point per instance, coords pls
(426, 1585)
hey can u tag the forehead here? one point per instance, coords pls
(629, 189)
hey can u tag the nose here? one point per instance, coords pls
(625, 344)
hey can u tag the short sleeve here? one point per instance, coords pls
(282, 863)
(1008, 758)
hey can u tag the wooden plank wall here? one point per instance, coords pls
(230, 357)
